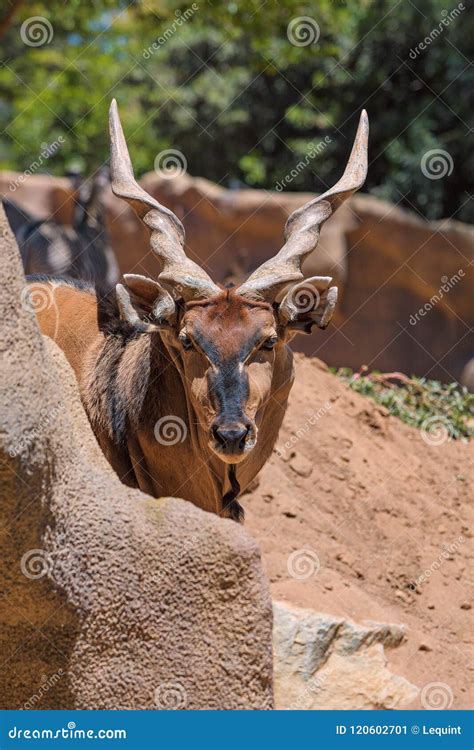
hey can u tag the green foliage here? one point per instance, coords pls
(228, 89)
(421, 403)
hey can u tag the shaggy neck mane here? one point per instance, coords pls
(120, 374)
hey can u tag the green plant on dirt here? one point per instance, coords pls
(417, 401)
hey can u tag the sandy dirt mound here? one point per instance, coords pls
(360, 516)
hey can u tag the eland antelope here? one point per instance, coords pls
(185, 383)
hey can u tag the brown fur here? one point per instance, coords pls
(128, 381)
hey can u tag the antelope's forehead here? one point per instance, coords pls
(229, 325)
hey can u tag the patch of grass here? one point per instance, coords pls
(421, 403)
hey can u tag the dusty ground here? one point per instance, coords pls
(381, 510)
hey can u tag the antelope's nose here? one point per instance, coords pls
(231, 438)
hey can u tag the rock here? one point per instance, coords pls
(402, 596)
(328, 663)
(121, 600)
(465, 605)
(301, 465)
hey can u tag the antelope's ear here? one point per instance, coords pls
(310, 302)
(145, 304)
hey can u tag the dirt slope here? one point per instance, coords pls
(381, 509)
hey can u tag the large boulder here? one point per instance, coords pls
(327, 662)
(110, 599)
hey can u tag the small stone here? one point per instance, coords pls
(289, 514)
(301, 466)
(345, 458)
(401, 595)
(431, 606)
(424, 647)
(465, 605)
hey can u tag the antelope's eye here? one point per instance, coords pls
(186, 342)
(270, 342)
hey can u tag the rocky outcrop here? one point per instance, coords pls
(406, 280)
(326, 662)
(110, 599)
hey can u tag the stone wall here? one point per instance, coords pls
(110, 599)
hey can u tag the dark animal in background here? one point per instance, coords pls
(81, 251)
